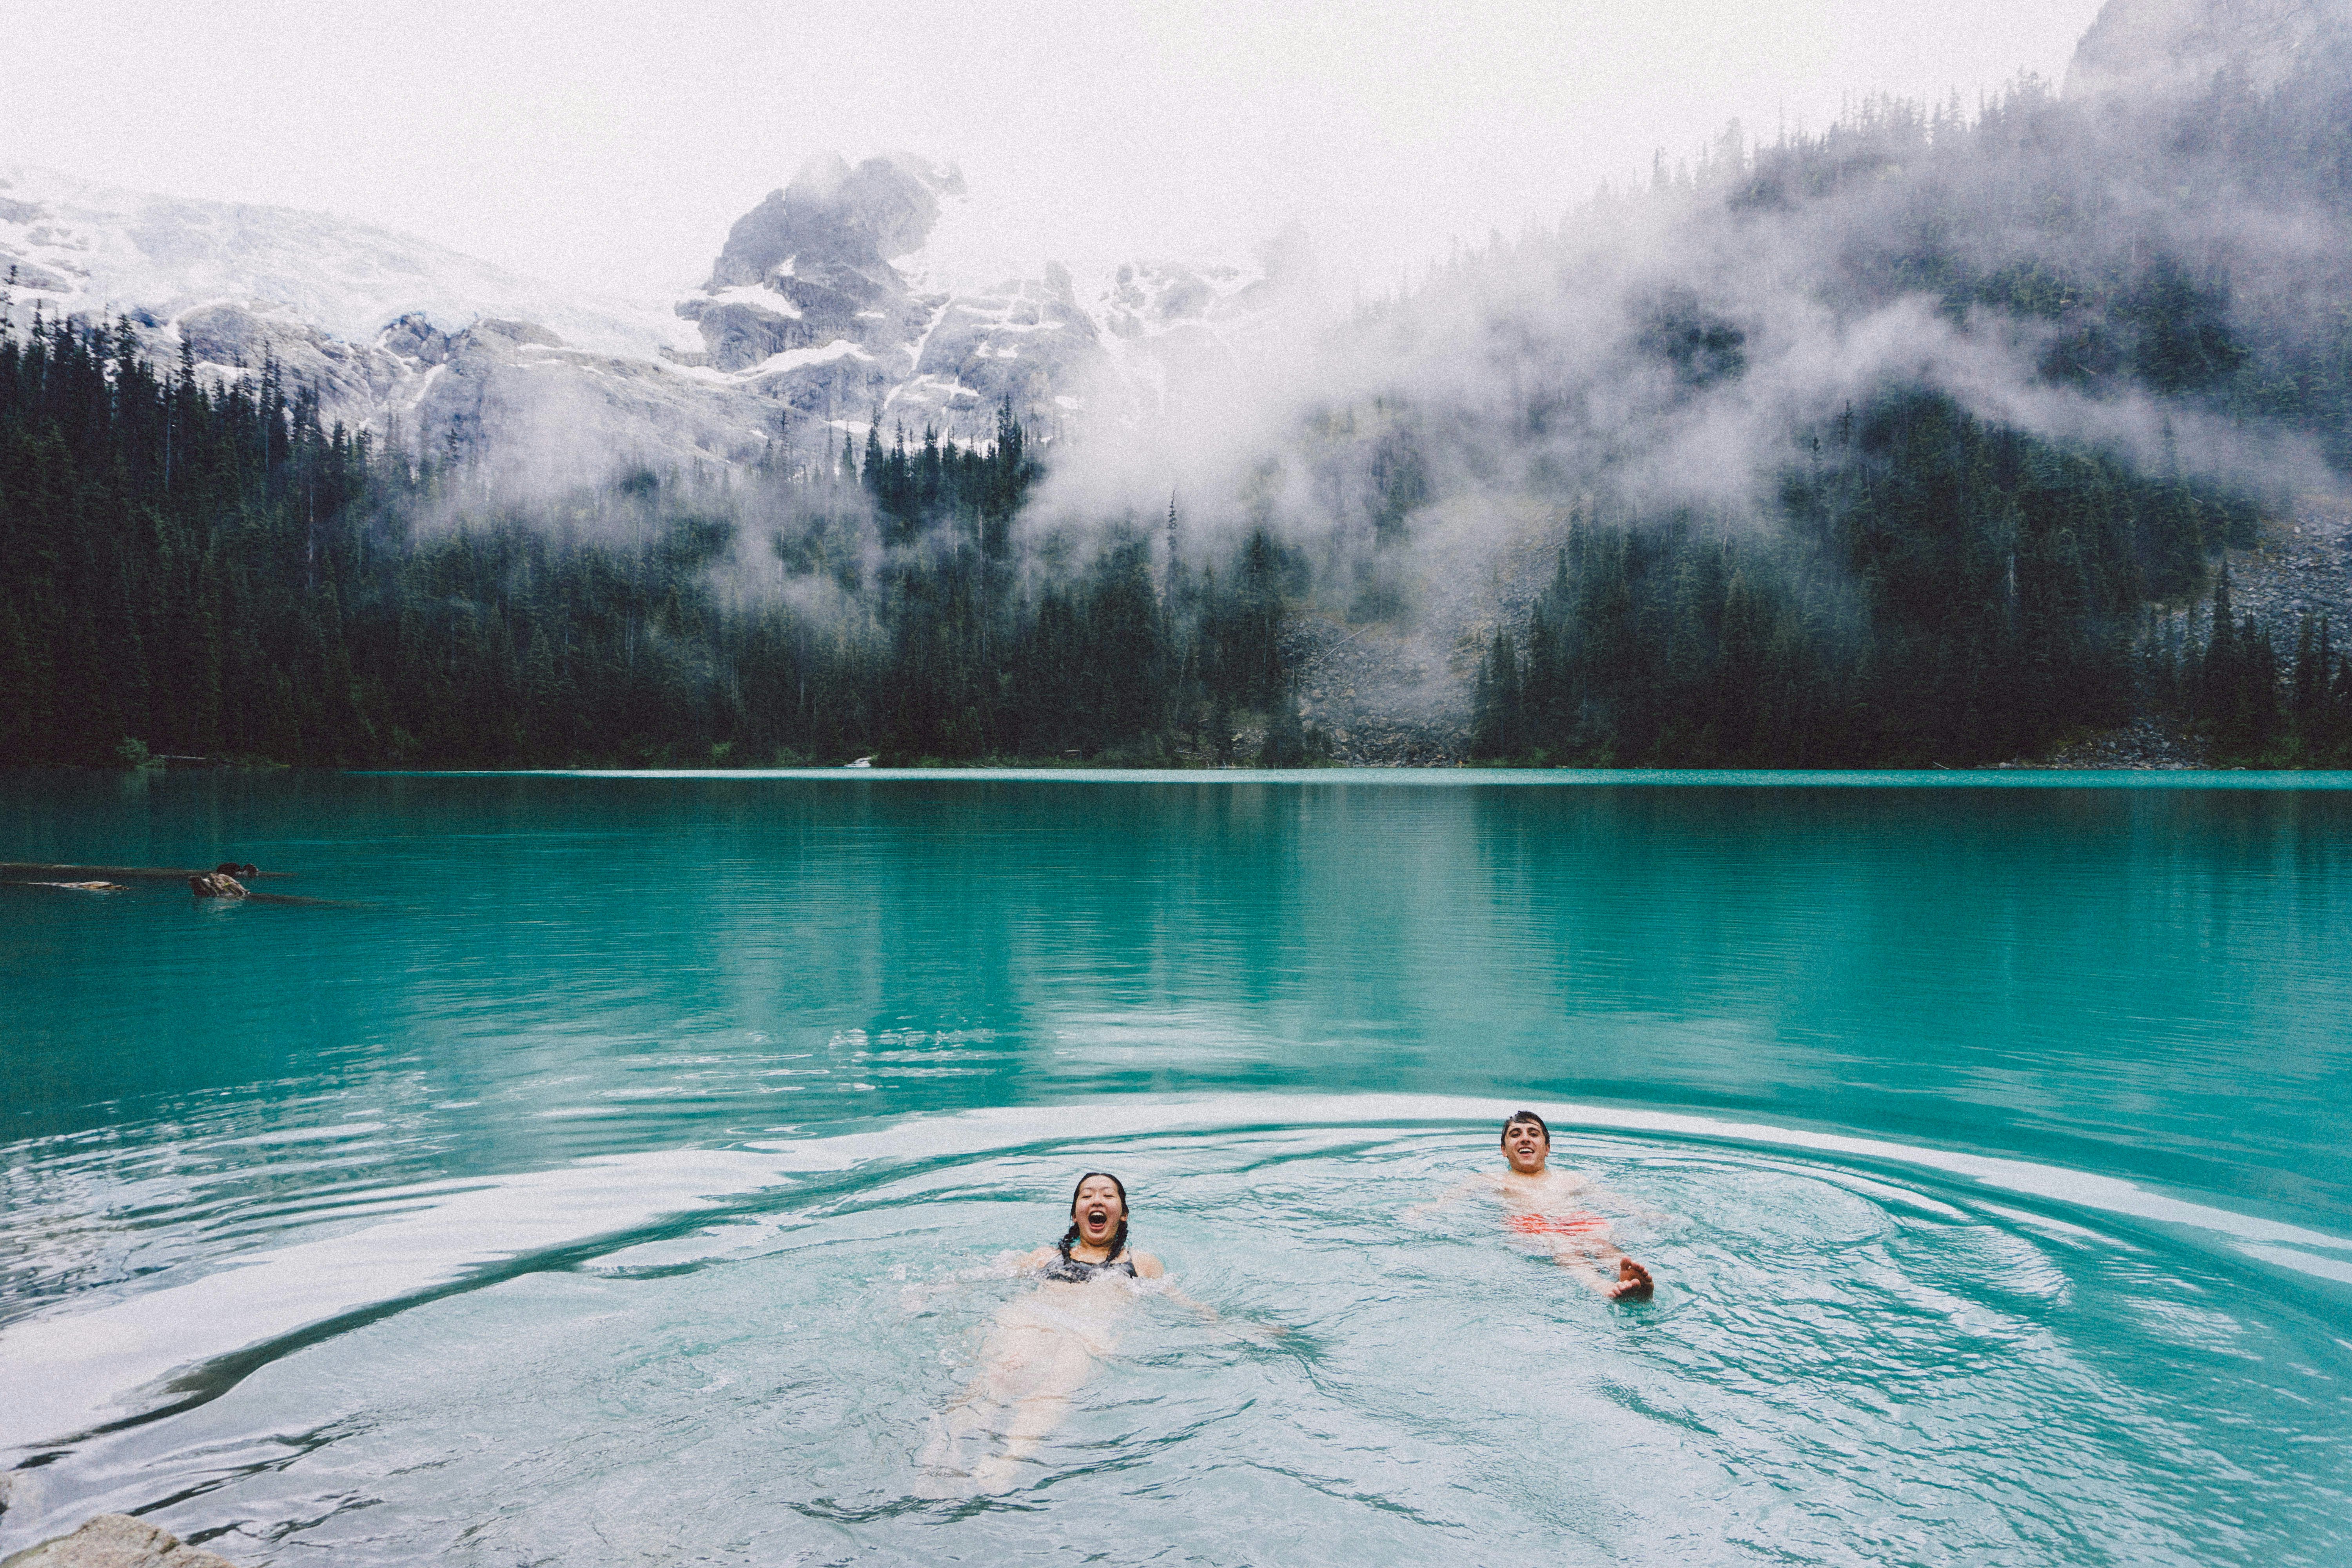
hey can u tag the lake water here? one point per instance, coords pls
(626, 1169)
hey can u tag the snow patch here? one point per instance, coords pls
(800, 359)
(759, 298)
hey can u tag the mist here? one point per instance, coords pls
(1671, 345)
(605, 147)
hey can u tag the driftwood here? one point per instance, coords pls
(202, 882)
(32, 872)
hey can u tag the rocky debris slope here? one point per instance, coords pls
(1397, 692)
(2142, 46)
(115, 1540)
(2302, 566)
(2146, 742)
(1381, 696)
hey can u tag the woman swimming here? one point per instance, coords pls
(1549, 1205)
(1043, 1346)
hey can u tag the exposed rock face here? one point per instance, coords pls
(811, 265)
(414, 336)
(16, 273)
(549, 414)
(116, 1541)
(2153, 47)
(353, 380)
(805, 297)
(1026, 339)
(738, 335)
(834, 216)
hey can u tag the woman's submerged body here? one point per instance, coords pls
(1043, 1346)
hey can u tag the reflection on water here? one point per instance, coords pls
(386, 1201)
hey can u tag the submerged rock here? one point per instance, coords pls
(116, 1541)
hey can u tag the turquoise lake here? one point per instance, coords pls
(626, 1168)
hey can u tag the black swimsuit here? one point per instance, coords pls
(1072, 1271)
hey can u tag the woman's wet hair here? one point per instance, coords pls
(1119, 1237)
(1517, 1117)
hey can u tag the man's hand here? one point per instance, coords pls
(1633, 1282)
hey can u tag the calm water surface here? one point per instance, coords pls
(623, 1169)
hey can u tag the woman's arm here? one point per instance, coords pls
(1450, 1197)
(1147, 1267)
(1150, 1268)
(1617, 1204)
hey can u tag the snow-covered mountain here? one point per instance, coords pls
(875, 286)
(882, 286)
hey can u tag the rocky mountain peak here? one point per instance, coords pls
(834, 215)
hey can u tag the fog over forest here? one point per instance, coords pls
(1926, 439)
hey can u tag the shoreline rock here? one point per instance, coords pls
(115, 1540)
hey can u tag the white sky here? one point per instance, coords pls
(608, 146)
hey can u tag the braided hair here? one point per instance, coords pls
(1117, 1237)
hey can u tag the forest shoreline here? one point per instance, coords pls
(2118, 751)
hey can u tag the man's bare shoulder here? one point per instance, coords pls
(1544, 1184)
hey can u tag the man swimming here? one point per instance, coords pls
(1548, 1204)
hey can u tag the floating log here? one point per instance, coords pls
(32, 871)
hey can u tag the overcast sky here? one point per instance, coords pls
(609, 146)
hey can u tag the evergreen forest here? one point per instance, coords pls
(194, 570)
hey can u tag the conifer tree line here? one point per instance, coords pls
(206, 571)
(1933, 591)
(1928, 589)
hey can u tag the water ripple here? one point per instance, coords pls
(1858, 1347)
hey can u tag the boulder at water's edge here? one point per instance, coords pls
(116, 1541)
